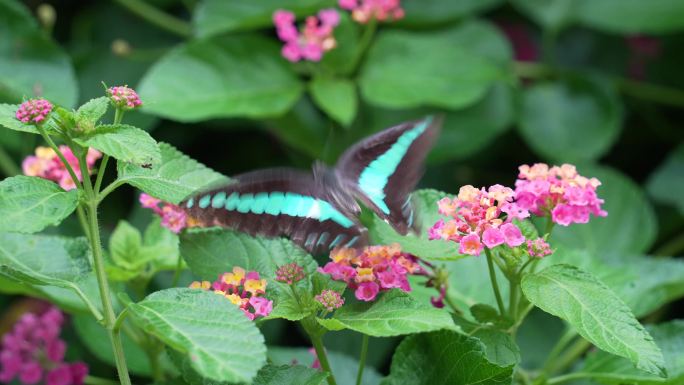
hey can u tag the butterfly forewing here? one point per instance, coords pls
(383, 169)
(280, 202)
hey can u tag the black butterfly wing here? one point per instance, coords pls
(383, 169)
(280, 202)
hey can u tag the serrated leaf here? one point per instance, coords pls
(211, 252)
(611, 369)
(337, 97)
(29, 204)
(394, 313)
(500, 347)
(289, 375)
(123, 142)
(425, 206)
(666, 184)
(259, 83)
(595, 311)
(221, 343)
(176, 177)
(92, 111)
(447, 358)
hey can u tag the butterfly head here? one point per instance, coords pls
(335, 189)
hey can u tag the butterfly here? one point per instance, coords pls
(319, 210)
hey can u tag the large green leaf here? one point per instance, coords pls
(217, 16)
(451, 68)
(29, 204)
(595, 311)
(430, 12)
(174, 179)
(570, 121)
(632, 16)
(123, 142)
(629, 228)
(289, 375)
(551, 14)
(231, 77)
(612, 369)
(9, 120)
(31, 64)
(425, 204)
(392, 314)
(343, 367)
(444, 357)
(337, 97)
(666, 184)
(220, 342)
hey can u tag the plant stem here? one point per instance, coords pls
(570, 377)
(495, 285)
(449, 301)
(672, 247)
(316, 335)
(570, 356)
(108, 190)
(362, 358)
(513, 298)
(100, 172)
(7, 165)
(549, 226)
(82, 220)
(90, 380)
(562, 342)
(159, 18)
(364, 43)
(54, 147)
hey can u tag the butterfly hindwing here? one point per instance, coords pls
(280, 202)
(383, 169)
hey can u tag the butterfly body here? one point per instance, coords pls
(319, 210)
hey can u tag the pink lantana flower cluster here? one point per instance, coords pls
(314, 39)
(477, 219)
(172, 216)
(124, 97)
(330, 300)
(538, 248)
(34, 111)
(559, 191)
(375, 269)
(244, 289)
(46, 164)
(290, 273)
(365, 10)
(33, 352)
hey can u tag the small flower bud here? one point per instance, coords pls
(124, 97)
(538, 248)
(330, 300)
(34, 111)
(290, 273)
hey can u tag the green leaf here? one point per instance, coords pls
(232, 77)
(289, 375)
(8, 119)
(29, 204)
(612, 369)
(425, 204)
(123, 142)
(595, 311)
(435, 12)
(570, 121)
(394, 313)
(212, 17)
(90, 113)
(527, 228)
(95, 338)
(337, 97)
(221, 343)
(666, 184)
(343, 367)
(444, 357)
(174, 179)
(342, 60)
(408, 69)
(211, 252)
(629, 228)
(551, 14)
(163, 244)
(31, 64)
(632, 16)
(500, 348)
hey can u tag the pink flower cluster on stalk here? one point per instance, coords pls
(538, 248)
(124, 97)
(34, 111)
(172, 216)
(46, 164)
(314, 39)
(244, 289)
(330, 300)
(365, 10)
(33, 352)
(374, 269)
(290, 273)
(477, 220)
(559, 191)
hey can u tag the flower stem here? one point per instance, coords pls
(100, 172)
(513, 298)
(7, 165)
(54, 147)
(90, 380)
(364, 43)
(449, 301)
(159, 18)
(557, 349)
(495, 285)
(82, 220)
(362, 358)
(317, 342)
